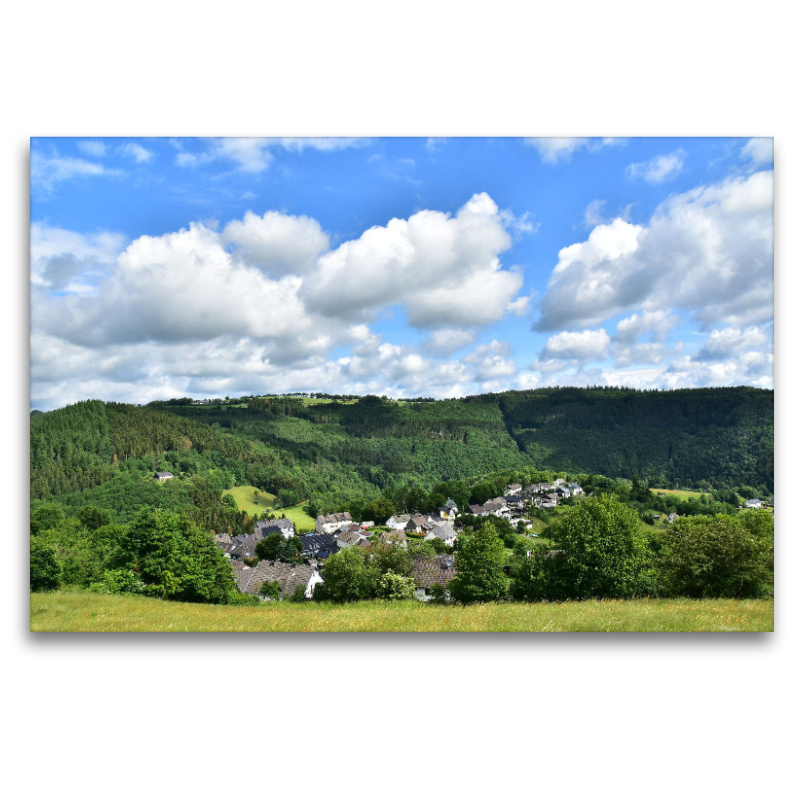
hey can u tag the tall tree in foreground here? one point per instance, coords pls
(600, 551)
(479, 564)
(722, 556)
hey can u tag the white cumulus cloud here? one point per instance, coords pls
(659, 169)
(578, 345)
(708, 251)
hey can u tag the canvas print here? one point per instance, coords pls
(401, 384)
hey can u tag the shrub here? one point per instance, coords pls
(45, 569)
(395, 587)
(119, 581)
(721, 556)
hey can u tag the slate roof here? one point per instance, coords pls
(164, 475)
(435, 571)
(318, 545)
(443, 532)
(244, 546)
(266, 526)
(326, 519)
(288, 576)
(418, 521)
(350, 537)
(395, 537)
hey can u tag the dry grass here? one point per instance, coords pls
(63, 611)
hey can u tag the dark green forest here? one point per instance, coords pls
(334, 451)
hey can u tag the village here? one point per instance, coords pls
(334, 532)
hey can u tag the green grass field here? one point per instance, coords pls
(679, 493)
(83, 611)
(301, 520)
(244, 499)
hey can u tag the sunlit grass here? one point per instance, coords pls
(299, 518)
(245, 499)
(64, 611)
(679, 493)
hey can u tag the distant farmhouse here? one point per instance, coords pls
(163, 476)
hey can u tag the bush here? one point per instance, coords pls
(298, 595)
(395, 587)
(45, 569)
(347, 577)
(119, 581)
(270, 590)
(721, 556)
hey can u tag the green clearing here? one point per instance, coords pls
(300, 520)
(243, 495)
(679, 493)
(68, 611)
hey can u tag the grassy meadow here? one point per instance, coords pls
(679, 494)
(245, 500)
(83, 611)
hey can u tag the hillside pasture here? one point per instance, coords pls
(65, 611)
(300, 520)
(244, 497)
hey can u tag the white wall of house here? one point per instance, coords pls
(312, 582)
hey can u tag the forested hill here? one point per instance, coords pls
(721, 435)
(305, 447)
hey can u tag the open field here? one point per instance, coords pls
(83, 611)
(301, 520)
(244, 499)
(679, 493)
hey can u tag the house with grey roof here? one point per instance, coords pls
(163, 476)
(318, 546)
(329, 523)
(244, 547)
(288, 577)
(418, 523)
(349, 539)
(265, 527)
(754, 503)
(430, 572)
(398, 522)
(445, 533)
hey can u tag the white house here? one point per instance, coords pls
(398, 522)
(754, 503)
(268, 526)
(329, 523)
(445, 533)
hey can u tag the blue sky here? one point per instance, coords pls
(406, 266)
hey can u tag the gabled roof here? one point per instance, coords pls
(350, 537)
(318, 544)
(418, 521)
(326, 519)
(264, 525)
(430, 572)
(443, 532)
(288, 576)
